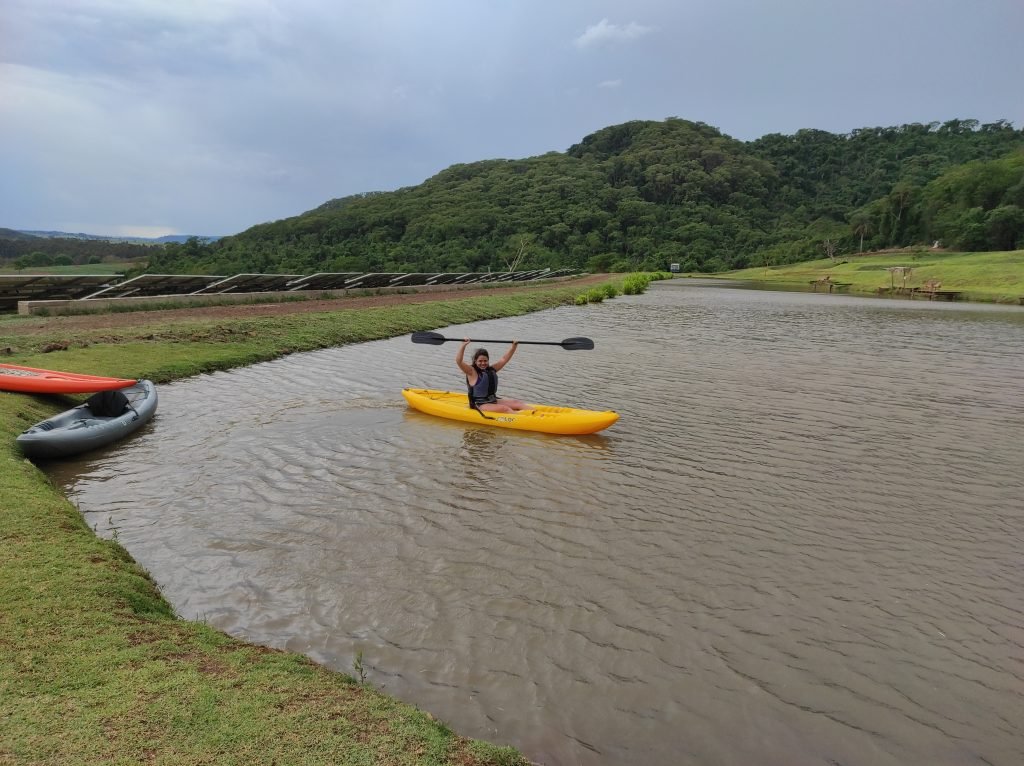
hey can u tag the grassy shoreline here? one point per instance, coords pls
(980, 277)
(94, 665)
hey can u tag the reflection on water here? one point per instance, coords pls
(801, 544)
(480, 453)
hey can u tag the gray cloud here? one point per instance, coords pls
(209, 116)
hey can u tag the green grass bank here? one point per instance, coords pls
(984, 277)
(115, 267)
(94, 666)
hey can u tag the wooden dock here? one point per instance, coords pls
(920, 292)
(938, 295)
(826, 281)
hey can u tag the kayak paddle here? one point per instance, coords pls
(569, 344)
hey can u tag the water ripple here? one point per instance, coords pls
(799, 545)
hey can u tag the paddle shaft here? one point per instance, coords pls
(520, 342)
(569, 344)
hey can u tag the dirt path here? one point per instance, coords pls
(56, 324)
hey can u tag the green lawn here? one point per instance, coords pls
(979, 276)
(94, 268)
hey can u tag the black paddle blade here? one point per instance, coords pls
(433, 338)
(577, 344)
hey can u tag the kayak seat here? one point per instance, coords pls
(107, 404)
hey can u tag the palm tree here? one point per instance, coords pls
(862, 226)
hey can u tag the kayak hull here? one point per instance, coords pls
(31, 380)
(78, 430)
(542, 418)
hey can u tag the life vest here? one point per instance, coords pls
(486, 387)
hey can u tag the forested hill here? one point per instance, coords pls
(645, 194)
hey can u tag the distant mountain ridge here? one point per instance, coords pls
(13, 234)
(178, 238)
(26, 247)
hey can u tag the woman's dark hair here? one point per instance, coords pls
(480, 352)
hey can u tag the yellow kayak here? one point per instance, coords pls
(549, 420)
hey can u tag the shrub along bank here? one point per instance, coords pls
(94, 665)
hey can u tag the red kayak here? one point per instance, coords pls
(29, 380)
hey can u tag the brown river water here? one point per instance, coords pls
(803, 543)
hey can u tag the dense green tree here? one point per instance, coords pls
(646, 194)
(1004, 226)
(35, 258)
(968, 231)
(79, 250)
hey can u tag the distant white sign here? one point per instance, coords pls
(673, 267)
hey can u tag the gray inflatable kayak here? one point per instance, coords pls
(89, 426)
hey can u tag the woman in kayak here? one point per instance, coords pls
(482, 378)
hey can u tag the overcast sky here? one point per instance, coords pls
(151, 117)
